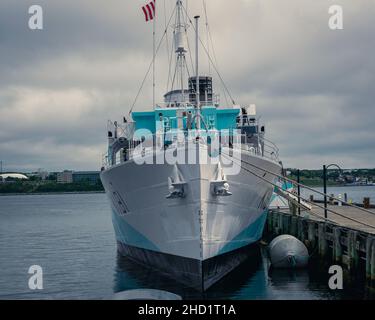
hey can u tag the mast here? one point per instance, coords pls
(180, 43)
(198, 115)
(154, 54)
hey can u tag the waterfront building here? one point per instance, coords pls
(65, 177)
(91, 177)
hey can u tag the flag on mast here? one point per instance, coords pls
(149, 10)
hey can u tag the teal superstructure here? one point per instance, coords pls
(211, 118)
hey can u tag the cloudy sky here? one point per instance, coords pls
(314, 87)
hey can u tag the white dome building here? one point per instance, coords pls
(18, 176)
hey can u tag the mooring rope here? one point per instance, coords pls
(275, 185)
(306, 187)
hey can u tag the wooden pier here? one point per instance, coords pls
(337, 240)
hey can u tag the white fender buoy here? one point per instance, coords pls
(287, 251)
(145, 294)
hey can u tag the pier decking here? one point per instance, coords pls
(341, 220)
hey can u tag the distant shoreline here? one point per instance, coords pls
(48, 193)
(339, 186)
(102, 192)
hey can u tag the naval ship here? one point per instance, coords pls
(185, 179)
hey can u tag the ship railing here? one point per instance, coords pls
(186, 105)
(270, 150)
(105, 161)
(262, 147)
(271, 145)
(246, 120)
(125, 130)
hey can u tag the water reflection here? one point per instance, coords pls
(289, 279)
(130, 275)
(254, 279)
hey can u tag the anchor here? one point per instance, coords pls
(220, 186)
(176, 185)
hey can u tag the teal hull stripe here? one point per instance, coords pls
(127, 235)
(251, 234)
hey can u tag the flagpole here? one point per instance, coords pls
(154, 53)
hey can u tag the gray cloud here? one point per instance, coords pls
(312, 85)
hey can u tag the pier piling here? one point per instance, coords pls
(286, 223)
(322, 239)
(301, 231)
(270, 221)
(369, 245)
(293, 226)
(352, 250)
(366, 203)
(337, 248)
(276, 223)
(372, 263)
(311, 234)
(280, 229)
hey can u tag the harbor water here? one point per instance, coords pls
(355, 193)
(71, 237)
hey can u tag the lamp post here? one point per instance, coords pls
(325, 168)
(299, 191)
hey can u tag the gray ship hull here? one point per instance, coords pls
(196, 239)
